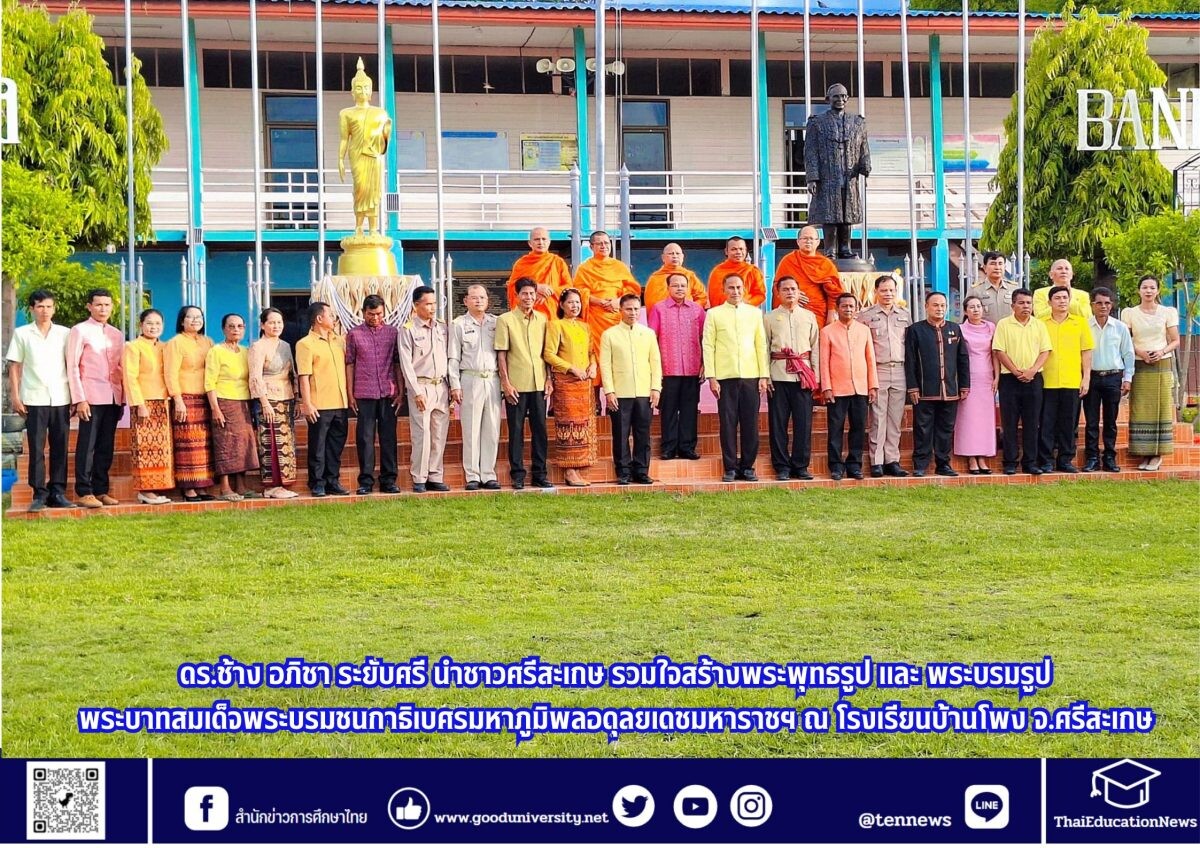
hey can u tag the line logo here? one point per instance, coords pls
(986, 807)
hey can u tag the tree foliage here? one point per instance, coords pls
(71, 119)
(70, 282)
(1075, 199)
(1136, 7)
(38, 219)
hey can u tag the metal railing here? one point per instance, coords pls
(1187, 185)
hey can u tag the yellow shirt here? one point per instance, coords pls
(227, 372)
(323, 361)
(568, 345)
(183, 364)
(524, 339)
(143, 371)
(734, 343)
(1022, 342)
(1068, 341)
(630, 364)
(1081, 303)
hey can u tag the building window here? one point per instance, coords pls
(162, 67)
(785, 77)
(470, 74)
(1181, 75)
(988, 79)
(918, 79)
(290, 136)
(285, 70)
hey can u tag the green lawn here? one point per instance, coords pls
(1102, 576)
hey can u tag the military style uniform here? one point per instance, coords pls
(887, 412)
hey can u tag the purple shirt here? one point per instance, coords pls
(374, 353)
(679, 327)
(94, 353)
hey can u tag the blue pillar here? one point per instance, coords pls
(941, 253)
(195, 164)
(389, 222)
(581, 130)
(764, 165)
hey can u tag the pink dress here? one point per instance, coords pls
(975, 429)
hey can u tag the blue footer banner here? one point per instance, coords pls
(606, 801)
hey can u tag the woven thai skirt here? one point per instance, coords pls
(574, 424)
(192, 441)
(150, 444)
(1152, 409)
(277, 444)
(235, 445)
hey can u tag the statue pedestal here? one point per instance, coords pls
(367, 256)
(854, 265)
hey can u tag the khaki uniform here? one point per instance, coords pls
(473, 370)
(424, 361)
(887, 413)
(997, 303)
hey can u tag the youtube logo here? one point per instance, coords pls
(695, 806)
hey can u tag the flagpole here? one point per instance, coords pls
(755, 131)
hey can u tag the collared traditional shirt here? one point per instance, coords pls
(795, 329)
(937, 363)
(1069, 338)
(847, 359)
(183, 364)
(630, 363)
(323, 361)
(568, 345)
(679, 328)
(524, 339)
(887, 332)
(374, 352)
(1113, 350)
(997, 302)
(1022, 343)
(143, 367)
(43, 364)
(472, 347)
(735, 344)
(94, 352)
(227, 372)
(424, 351)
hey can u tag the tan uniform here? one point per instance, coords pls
(473, 370)
(424, 361)
(997, 303)
(887, 412)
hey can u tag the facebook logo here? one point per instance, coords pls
(206, 808)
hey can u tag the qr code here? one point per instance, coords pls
(65, 800)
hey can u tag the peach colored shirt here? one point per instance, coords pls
(847, 359)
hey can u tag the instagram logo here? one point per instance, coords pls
(750, 806)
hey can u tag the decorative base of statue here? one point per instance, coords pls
(367, 256)
(854, 265)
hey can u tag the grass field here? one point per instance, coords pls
(1104, 577)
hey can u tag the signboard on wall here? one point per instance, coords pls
(889, 155)
(985, 152)
(475, 151)
(549, 151)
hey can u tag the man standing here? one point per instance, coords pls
(1067, 375)
(423, 358)
(520, 340)
(1061, 274)
(659, 282)
(793, 341)
(816, 275)
(548, 270)
(1020, 347)
(679, 325)
(475, 387)
(848, 383)
(321, 367)
(631, 373)
(40, 390)
(735, 360)
(938, 370)
(888, 324)
(754, 287)
(603, 281)
(993, 291)
(835, 155)
(94, 352)
(1112, 375)
(376, 383)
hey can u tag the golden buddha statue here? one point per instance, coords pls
(364, 130)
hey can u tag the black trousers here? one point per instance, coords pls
(1020, 403)
(326, 438)
(376, 416)
(1060, 426)
(933, 431)
(55, 422)
(531, 407)
(678, 411)
(854, 407)
(737, 410)
(790, 403)
(631, 418)
(94, 449)
(1101, 404)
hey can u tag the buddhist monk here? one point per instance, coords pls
(603, 281)
(546, 269)
(755, 291)
(818, 277)
(656, 286)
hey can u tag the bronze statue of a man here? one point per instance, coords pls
(835, 153)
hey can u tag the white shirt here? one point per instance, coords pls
(43, 364)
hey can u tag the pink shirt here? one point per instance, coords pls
(679, 327)
(94, 363)
(847, 359)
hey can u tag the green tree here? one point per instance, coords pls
(1166, 245)
(1137, 7)
(39, 221)
(70, 282)
(1075, 199)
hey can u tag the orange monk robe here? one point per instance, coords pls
(546, 269)
(603, 279)
(818, 279)
(656, 287)
(755, 289)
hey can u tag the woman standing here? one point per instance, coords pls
(227, 382)
(1155, 330)
(272, 378)
(150, 431)
(191, 424)
(975, 430)
(568, 352)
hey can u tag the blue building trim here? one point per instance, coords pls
(767, 262)
(581, 129)
(390, 221)
(941, 249)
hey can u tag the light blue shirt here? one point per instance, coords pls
(1114, 348)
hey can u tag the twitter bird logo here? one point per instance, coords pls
(633, 806)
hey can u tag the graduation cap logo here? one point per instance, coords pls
(1126, 784)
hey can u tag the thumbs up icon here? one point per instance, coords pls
(410, 812)
(408, 808)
